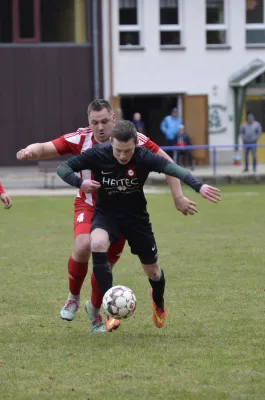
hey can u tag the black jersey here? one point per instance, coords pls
(121, 185)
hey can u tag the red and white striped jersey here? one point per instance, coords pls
(82, 140)
(2, 190)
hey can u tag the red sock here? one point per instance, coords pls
(76, 274)
(96, 296)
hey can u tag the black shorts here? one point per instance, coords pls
(137, 230)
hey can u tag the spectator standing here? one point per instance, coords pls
(250, 133)
(170, 127)
(183, 155)
(138, 123)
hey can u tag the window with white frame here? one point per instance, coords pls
(255, 22)
(216, 22)
(129, 26)
(170, 28)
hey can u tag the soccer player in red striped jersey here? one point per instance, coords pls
(5, 198)
(101, 122)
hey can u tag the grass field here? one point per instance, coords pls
(212, 346)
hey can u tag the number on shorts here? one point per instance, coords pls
(80, 217)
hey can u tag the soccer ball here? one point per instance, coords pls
(119, 302)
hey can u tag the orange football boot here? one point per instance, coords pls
(159, 314)
(112, 324)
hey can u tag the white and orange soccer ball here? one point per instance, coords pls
(119, 302)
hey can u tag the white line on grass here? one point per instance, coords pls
(72, 192)
(68, 192)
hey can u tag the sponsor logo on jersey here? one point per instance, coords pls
(124, 185)
(131, 172)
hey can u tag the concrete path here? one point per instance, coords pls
(69, 192)
(28, 177)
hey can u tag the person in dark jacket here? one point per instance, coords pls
(138, 123)
(183, 155)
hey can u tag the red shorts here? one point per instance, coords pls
(83, 214)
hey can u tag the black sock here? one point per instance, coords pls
(102, 271)
(158, 290)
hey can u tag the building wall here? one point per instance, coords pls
(45, 88)
(44, 93)
(194, 69)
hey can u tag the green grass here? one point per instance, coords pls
(212, 346)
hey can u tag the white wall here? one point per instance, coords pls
(194, 70)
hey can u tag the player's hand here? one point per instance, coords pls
(6, 200)
(89, 186)
(210, 193)
(185, 206)
(24, 154)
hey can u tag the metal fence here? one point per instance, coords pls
(217, 154)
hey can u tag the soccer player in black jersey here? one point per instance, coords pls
(122, 168)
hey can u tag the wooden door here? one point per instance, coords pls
(195, 117)
(116, 106)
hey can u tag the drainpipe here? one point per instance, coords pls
(235, 90)
(110, 51)
(95, 48)
(239, 100)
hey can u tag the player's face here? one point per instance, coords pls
(123, 151)
(101, 123)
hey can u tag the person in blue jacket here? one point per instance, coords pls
(170, 127)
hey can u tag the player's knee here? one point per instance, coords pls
(155, 275)
(99, 245)
(153, 271)
(82, 246)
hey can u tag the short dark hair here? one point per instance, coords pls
(98, 105)
(123, 131)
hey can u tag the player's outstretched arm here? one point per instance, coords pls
(182, 204)
(5, 198)
(206, 191)
(161, 165)
(38, 151)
